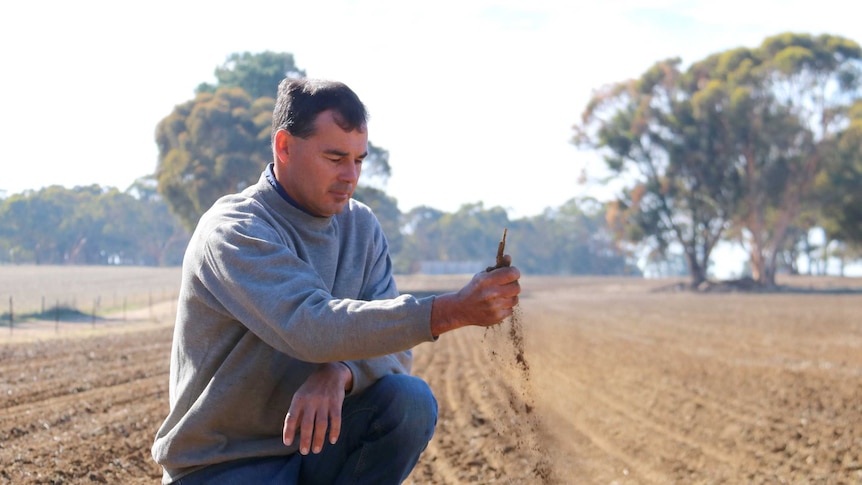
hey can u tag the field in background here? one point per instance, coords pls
(627, 384)
(80, 286)
(61, 301)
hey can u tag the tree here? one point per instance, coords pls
(386, 210)
(211, 146)
(89, 225)
(572, 239)
(685, 185)
(473, 232)
(375, 168)
(257, 74)
(840, 184)
(838, 188)
(139, 228)
(469, 234)
(422, 239)
(218, 143)
(375, 175)
(793, 92)
(32, 224)
(727, 149)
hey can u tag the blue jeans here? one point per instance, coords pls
(384, 429)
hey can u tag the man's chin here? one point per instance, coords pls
(335, 208)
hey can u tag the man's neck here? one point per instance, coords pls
(270, 177)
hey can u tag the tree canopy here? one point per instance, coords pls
(257, 74)
(728, 148)
(211, 146)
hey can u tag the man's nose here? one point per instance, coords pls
(350, 172)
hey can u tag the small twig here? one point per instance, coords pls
(501, 248)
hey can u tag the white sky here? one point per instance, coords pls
(474, 99)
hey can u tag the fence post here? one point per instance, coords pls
(57, 317)
(11, 315)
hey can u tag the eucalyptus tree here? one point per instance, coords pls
(258, 74)
(728, 148)
(840, 186)
(790, 98)
(213, 145)
(683, 185)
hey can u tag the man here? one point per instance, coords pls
(291, 354)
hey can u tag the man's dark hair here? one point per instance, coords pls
(300, 100)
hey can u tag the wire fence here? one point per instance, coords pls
(120, 309)
(70, 297)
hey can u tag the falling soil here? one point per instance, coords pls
(526, 427)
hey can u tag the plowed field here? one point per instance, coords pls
(621, 384)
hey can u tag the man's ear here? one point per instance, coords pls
(281, 145)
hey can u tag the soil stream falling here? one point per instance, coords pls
(526, 426)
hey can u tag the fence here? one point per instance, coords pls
(96, 312)
(74, 295)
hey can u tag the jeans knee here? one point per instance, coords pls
(412, 399)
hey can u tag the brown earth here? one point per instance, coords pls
(625, 386)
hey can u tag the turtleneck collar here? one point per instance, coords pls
(270, 177)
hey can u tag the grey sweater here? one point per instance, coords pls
(268, 292)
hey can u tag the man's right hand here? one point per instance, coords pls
(316, 407)
(486, 300)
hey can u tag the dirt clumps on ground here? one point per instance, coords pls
(628, 385)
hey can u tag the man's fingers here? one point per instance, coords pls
(335, 426)
(312, 431)
(502, 276)
(306, 433)
(320, 425)
(289, 429)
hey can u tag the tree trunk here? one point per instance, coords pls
(76, 251)
(696, 270)
(769, 270)
(755, 257)
(808, 252)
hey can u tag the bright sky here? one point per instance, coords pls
(474, 99)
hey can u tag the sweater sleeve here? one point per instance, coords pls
(379, 284)
(263, 283)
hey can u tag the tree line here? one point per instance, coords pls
(99, 225)
(90, 225)
(757, 146)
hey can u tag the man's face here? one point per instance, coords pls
(321, 172)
